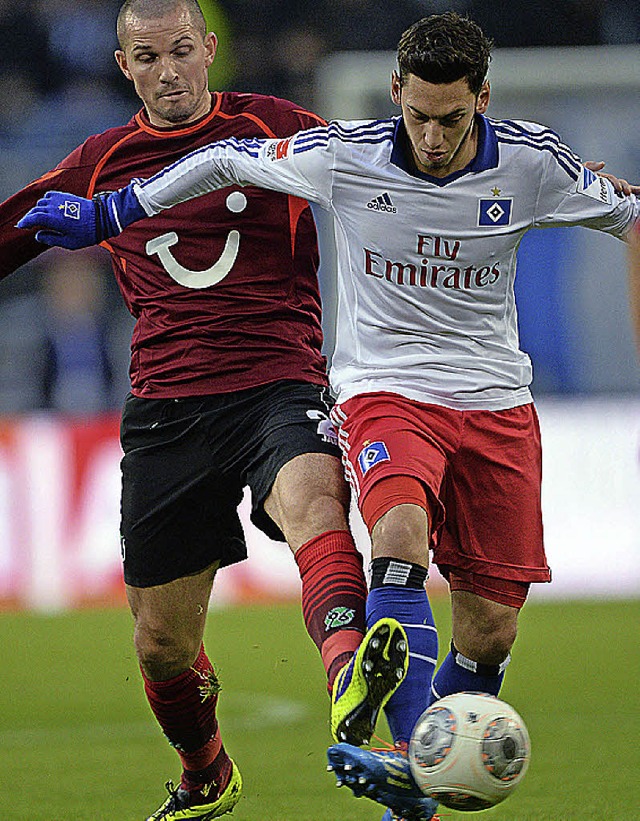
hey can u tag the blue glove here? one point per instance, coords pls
(74, 222)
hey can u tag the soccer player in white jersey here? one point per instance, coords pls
(439, 435)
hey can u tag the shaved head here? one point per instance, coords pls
(155, 10)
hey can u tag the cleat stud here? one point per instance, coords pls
(368, 666)
(329, 768)
(362, 780)
(375, 643)
(339, 783)
(399, 674)
(402, 646)
(347, 768)
(342, 735)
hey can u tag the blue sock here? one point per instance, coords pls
(457, 673)
(410, 606)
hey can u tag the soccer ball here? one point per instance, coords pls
(469, 751)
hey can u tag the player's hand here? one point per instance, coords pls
(621, 186)
(74, 222)
(64, 220)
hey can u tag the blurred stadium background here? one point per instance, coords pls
(64, 332)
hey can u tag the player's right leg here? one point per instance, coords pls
(179, 523)
(395, 475)
(365, 685)
(397, 511)
(182, 690)
(383, 776)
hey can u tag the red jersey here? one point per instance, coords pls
(223, 288)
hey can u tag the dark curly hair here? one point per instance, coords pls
(444, 48)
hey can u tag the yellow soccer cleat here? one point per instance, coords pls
(365, 684)
(182, 804)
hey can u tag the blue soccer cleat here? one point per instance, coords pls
(383, 776)
(391, 816)
(366, 683)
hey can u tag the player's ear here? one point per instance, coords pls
(396, 88)
(482, 103)
(210, 45)
(121, 60)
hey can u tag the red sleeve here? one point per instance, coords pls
(309, 120)
(18, 246)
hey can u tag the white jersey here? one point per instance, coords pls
(425, 266)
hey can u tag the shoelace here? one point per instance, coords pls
(179, 797)
(386, 747)
(175, 802)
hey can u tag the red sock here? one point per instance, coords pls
(185, 707)
(334, 592)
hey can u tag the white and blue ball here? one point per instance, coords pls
(469, 751)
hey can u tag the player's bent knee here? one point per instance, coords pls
(309, 497)
(163, 654)
(486, 629)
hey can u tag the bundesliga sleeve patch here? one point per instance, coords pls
(591, 185)
(494, 213)
(278, 151)
(371, 454)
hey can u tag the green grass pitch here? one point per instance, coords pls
(78, 743)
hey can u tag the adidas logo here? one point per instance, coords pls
(382, 203)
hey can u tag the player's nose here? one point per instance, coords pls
(168, 72)
(432, 135)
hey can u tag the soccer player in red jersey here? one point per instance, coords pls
(426, 427)
(228, 389)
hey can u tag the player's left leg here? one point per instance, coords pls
(491, 546)
(309, 502)
(300, 494)
(483, 633)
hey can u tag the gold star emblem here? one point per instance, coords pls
(495, 192)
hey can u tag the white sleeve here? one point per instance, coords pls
(577, 196)
(301, 165)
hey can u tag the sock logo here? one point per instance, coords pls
(397, 573)
(338, 617)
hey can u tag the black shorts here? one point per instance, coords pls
(187, 461)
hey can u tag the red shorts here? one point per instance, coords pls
(481, 470)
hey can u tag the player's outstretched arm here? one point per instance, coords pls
(633, 257)
(73, 222)
(621, 186)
